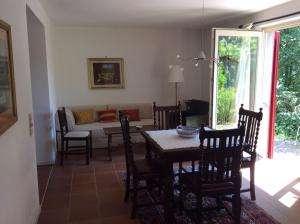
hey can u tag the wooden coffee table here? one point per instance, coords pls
(118, 131)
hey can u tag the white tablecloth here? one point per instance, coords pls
(169, 139)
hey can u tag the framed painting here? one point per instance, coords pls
(8, 108)
(106, 72)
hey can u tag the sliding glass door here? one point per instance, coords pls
(234, 74)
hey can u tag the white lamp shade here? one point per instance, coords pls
(176, 73)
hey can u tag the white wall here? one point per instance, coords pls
(19, 202)
(18, 186)
(146, 52)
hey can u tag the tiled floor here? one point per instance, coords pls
(278, 187)
(80, 194)
(44, 173)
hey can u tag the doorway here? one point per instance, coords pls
(235, 74)
(40, 98)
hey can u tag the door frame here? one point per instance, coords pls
(213, 80)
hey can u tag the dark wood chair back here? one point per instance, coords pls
(63, 123)
(252, 124)
(129, 155)
(166, 117)
(220, 155)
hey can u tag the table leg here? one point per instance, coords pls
(109, 137)
(148, 150)
(168, 193)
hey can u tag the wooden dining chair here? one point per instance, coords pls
(166, 117)
(68, 136)
(218, 173)
(252, 124)
(139, 170)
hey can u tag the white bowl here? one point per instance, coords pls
(187, 132)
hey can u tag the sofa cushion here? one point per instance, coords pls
(87, 107)
(132, 114)
(145, 109)
(84, 117)
(107, 115)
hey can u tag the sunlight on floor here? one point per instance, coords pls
(274, 175)
(297, 186)
(289, 199)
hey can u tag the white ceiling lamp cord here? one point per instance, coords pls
(202, 56)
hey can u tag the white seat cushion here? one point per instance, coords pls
(77, 134)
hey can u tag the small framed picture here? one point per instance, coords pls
(106, 72)
(8, 107)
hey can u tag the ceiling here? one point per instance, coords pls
(154, 13)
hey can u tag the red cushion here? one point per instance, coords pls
(107, 115)
(132, 114)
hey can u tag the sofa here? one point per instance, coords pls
(99, 139)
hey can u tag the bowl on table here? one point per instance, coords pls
(187, 132)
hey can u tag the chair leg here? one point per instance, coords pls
(199, 207)
(87, 148)
(219, 203)
(67, 148)
(252, 184)
(62, 152)
(91, 144)
(134, 198)
(236, 208)
(127, 187)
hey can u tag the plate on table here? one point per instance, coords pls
(187, 132)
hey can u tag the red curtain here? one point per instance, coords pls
(273, 94)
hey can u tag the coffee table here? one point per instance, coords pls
(118, 131)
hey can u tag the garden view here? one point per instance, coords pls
(236, 69)
(288, 85)
(240, 54)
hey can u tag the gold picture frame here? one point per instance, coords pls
(8, 106)
(106, 73)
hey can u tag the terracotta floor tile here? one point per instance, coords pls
(63, 189)
(104, 168)
(67, 173)
(83, 178)
(120, 166)
(60, 180)
(84, 170)
(82, 199)
(107, 180)
(84, 188)
(91, 221)
(82, 212)
(112, 203)
(57, 216)
(56, 202)
(118, 219)
(113, 209)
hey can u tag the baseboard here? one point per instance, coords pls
(38, 216)
(43, 163)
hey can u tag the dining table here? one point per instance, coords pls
(170, 148)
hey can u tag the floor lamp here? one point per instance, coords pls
(176, 76)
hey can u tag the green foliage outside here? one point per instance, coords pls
(229, 58)
(288, 85)
(228, 47)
